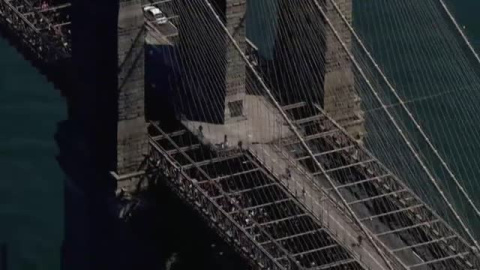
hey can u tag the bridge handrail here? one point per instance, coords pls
(214, 210)
(58, 53)
(327, 196)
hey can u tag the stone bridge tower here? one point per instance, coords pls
(340, 98)
(131, 126)
(108, 57)
(307, 56)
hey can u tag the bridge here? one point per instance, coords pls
(270, 151)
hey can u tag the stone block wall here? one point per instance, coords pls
(132, 141)
(236, 69)
(340, 99)
(308, 62)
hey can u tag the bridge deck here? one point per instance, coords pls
(322, 205)
(247, 204)
(402, 224)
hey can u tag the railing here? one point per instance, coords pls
(215, 216)
(346, 235)
(43, 41)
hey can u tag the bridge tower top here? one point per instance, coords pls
(220, 97)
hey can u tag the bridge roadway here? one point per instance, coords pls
(163, 34)
(246, 204)
(160, 34)
(255, 136)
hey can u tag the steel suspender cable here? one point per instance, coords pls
(452, 18)
(295, 131)
(393, 120)
(402, 103)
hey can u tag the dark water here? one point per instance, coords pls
(431, 69)
(466, 12)
(31, 181)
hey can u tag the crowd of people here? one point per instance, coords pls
(243, 197)
(44, 27)
(248, 199)
(58, 15)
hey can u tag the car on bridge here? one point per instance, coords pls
(155, 14)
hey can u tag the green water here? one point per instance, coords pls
(31, 181)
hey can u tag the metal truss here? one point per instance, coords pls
(43, 29)
(244, 202)
(397, 219)
(46, 29)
